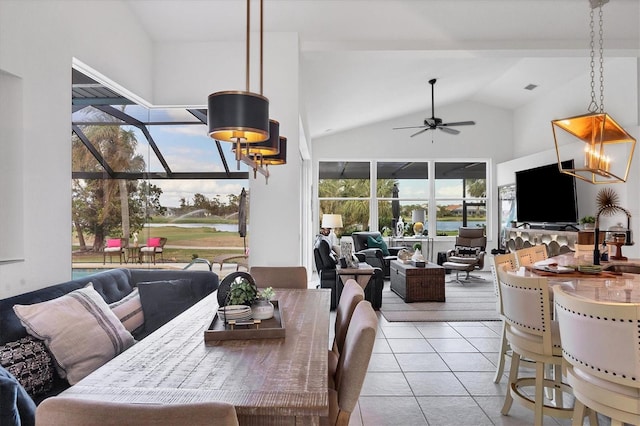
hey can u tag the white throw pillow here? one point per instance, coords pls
(79, 329)
(129, 310)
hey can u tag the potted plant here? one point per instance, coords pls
(242, 292)
(262, 308)
(588, 222)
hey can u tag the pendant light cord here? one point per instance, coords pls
(594, 106)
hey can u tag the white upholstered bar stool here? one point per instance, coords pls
(533, 335)
(64, 411)
(510, 263)
(530, 255)
(601, 349)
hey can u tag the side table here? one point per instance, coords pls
(370, 279)
(362, 274)
(133, 255)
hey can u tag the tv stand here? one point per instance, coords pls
(553, 226)
(557, 241)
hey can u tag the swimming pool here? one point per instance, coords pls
(83, 272)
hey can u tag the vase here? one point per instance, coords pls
(261, 309)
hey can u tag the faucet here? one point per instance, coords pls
(609, 209)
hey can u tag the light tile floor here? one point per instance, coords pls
(437, 373)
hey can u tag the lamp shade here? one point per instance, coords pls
(280, 158)
(418, 216)
(269, 147)
(238, 116)
(331, 221)
(607, 152)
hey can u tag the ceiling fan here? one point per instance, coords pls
(436, 123)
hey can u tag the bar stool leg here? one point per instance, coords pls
(513, 375)
(504, 347)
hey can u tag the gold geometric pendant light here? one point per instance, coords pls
(608, 147)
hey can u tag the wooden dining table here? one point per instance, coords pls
(269, 381)
(604, 286)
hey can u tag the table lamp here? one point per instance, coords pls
(418, 218)
(331, 221)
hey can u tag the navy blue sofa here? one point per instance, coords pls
(112, 285)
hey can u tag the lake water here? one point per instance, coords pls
(453, 226)
(224, 227)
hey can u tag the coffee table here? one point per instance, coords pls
(417, 284)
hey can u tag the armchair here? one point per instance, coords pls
(372, 246)
(326, 267)
(326, 264)
(468, 253)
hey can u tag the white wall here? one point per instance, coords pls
(204, 68)
(38, 40)
(490, 138)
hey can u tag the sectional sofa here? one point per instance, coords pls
(142, 301)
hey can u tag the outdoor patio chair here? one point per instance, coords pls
(152, 248)
(113, 247)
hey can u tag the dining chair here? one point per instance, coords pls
(601, 350)
(64, 411)
(509, 261)
(532, 335)
(353, 364)
(352, 294)
(280, 276)
(530, 255)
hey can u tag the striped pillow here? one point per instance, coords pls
(129, 311)
(79, 329)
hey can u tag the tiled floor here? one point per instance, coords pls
(437, 373)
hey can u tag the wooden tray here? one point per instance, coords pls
(575, 274)
(272, 328)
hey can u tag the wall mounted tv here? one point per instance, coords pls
(544, 195)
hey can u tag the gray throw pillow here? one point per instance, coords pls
(164, 300)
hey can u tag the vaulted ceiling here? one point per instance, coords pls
(366, 61)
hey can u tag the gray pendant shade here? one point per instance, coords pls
(269, 147)
(280, 158)
(238, 115)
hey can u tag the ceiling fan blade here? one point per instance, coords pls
(409, 127)
(448, 130)
(421, 131)
(460, 123)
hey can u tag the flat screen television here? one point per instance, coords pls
(544, 195)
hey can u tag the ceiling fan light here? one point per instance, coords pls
(238, 115)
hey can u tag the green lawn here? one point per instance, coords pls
(201, 242)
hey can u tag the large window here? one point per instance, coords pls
(384, 193)
(460, 196)
(344, 188)
(402, 195)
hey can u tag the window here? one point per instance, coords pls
(402, 188)
(456, 193)
(460, 196)
(344, 188)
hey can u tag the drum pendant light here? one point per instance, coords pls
(240, 116)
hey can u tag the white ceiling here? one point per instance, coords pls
(369, 60)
